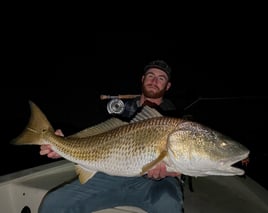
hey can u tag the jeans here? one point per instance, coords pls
(105, 191)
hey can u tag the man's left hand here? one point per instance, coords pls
(160, 171)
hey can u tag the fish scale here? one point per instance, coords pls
(130, 149)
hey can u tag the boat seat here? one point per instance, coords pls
(24, 190)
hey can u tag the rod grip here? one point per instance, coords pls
(105, 97)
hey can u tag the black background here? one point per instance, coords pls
(220, 84)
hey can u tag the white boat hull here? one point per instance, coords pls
(24, 190)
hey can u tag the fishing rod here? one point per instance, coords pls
(116, 105)
(222, 98)
(105, 97)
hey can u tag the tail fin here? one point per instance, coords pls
(36, 127)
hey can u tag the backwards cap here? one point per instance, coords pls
(160, 64)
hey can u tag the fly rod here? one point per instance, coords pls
(105, 97)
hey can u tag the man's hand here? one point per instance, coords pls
(160, 171)
(46, 148)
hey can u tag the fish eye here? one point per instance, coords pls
(223, 144)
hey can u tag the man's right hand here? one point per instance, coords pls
(46, 148)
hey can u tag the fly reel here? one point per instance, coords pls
(116, 105)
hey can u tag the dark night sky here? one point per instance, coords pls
(228, 83)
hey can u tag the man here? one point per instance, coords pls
(157, 192)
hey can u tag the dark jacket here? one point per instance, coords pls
(166, 108)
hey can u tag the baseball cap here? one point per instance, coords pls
(160, 64)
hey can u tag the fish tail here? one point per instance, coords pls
(37, 126)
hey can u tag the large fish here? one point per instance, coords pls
(130, 149)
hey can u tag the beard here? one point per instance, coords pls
(152, 93)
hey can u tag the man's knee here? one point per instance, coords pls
(167, 196)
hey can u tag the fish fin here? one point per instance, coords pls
(146, 113)
(105, 126)
(150, 165)
(38, 125)
(83, 174)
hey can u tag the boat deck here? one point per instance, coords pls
(25, 189)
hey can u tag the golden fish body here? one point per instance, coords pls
(122, 151)
(131, 149)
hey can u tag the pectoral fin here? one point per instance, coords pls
(150, 165)
(83, 174)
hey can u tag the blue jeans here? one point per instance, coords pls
(105, 191)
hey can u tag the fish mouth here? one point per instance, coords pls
(232, 164)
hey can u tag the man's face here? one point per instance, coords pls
(155, 83)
